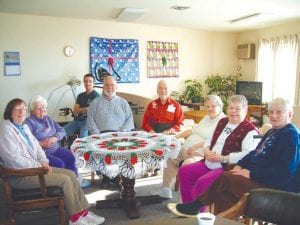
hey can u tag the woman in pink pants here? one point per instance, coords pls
(231, 141)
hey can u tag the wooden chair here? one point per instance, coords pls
(265, 206)
(28, 199)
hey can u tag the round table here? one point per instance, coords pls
(125, 155)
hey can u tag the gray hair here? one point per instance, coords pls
(109, 78)
(35, 99)
(285, 104)
(214, 98)
(161, 82)
(239, 99)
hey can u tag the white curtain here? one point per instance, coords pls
(277, 67)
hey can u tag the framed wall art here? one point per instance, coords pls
(118, 57)
(12, 65)
(162, 59)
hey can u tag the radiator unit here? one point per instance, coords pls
(246, 51)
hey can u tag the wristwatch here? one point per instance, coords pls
(224, 159)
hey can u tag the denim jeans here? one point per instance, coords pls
(74, 126)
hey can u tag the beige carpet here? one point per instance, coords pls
(117, 216)
(113, 216)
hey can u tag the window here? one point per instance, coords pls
(277, 67)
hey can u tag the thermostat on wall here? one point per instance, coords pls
(68, 51)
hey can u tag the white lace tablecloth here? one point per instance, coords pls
(130, 154)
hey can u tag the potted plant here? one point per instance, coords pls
(177, 96)
(191, 94)
(222, 85)
(193, 91)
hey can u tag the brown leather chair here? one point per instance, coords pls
(28, 199)
(266, 206)
(9, 222)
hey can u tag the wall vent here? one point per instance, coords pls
(246, 51)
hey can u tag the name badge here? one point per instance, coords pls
(171, 108)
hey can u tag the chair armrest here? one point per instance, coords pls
(237, 210)
(7, 172)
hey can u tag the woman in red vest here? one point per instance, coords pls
(231, 141)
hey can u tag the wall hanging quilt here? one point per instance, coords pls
(118, 57)
(162, 59)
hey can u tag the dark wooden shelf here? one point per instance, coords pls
(196, 115)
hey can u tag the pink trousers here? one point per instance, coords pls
(196, 178)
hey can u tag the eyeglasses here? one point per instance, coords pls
(234, 109)
(210, 106)
(43, 107)
(20, 109)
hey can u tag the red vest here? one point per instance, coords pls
(233, 142)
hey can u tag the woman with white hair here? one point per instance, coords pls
(49, 133)
(231, 141)
(192, 148)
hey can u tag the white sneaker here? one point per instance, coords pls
(164, 193)
(92, 218)
(80, 221)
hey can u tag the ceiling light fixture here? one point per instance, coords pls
(130, 14)
(250, 16)
(177, 7)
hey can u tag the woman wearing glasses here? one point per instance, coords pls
(49, 133)
(231, 140)
(19, 149)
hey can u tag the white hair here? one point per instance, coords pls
(239, 99)
(35, 99)
(282, 103)
(214, 98)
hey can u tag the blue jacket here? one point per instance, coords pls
(276, 160)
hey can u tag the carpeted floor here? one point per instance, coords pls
(147, 212)
(113, 216)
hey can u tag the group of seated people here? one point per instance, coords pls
(233, 164)
(35, 140)
(219, 160)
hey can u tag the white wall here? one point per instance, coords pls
(40, 41)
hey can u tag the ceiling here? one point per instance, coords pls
(213, 15)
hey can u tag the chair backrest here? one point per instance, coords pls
(274, 206)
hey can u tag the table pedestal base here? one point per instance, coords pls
(130, 206)
(127, 200)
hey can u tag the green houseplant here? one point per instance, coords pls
(222, 85)
(177, 96)
(192, 92)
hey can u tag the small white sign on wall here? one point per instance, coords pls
(12, 66)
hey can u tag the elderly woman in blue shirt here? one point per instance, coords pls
(49, 133)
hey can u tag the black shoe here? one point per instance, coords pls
(185, 210)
